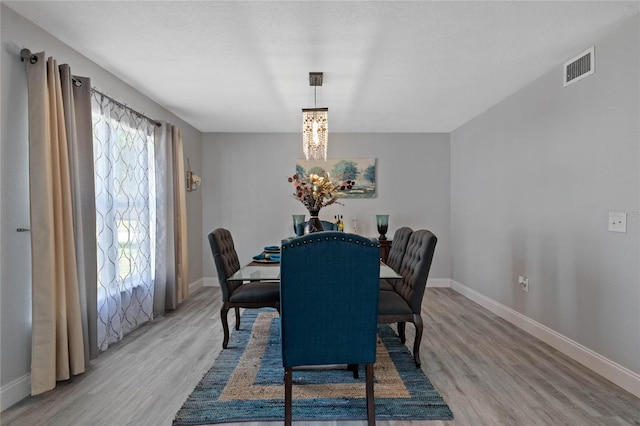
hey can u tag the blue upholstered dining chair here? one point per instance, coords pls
(329, 305)
(237, 294)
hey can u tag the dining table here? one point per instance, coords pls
(271, 272)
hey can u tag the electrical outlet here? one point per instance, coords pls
(617, 222)
(524, 283)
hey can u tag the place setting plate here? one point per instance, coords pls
(265, 257)
(266, 261)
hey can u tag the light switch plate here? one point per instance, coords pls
(617, 222)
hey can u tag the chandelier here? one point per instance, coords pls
(315, 134)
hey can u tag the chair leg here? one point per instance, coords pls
(237, 318)
(225, 325)
(354, 369)
(417, 321)
(288, 383)
(371, 408)
(401, 326)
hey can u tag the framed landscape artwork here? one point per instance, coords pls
(360, 170)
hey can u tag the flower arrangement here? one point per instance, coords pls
(315, 192)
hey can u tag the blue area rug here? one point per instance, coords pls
(245, 383)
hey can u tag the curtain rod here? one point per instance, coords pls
(25, 54)
(156, 122)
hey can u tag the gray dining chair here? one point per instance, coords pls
(236, 294)
(396, 253)
(404, 303)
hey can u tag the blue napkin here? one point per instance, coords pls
(272, 248)
(262, 256)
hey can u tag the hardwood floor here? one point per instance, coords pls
(488, 371)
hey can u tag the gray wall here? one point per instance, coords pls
(532, 180)
(15, 268)
(245, 188)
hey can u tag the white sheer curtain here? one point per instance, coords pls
(125, 218)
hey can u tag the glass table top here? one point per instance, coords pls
(272, 273)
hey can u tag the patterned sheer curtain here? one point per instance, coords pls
(125, 218)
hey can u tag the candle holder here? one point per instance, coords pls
(382, 221)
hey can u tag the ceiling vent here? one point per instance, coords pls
(579, 67)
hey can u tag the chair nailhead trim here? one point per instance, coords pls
(310, 240)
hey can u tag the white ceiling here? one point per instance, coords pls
(417, 66)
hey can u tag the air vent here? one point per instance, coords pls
(579, 67)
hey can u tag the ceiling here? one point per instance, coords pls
(243, 66)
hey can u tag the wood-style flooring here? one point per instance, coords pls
(488, 371)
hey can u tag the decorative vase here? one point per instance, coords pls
(298, 224)
(382, 221)
(314, 224)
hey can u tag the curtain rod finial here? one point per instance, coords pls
(26, 54)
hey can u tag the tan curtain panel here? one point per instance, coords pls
(58, 345)
(76, 94)
(182, 251)
(171, 269)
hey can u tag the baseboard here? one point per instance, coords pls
(196, 285)
(210, 282)
(438, 282)
(616, 373)
(15, 391)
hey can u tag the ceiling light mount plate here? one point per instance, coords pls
(315, 78)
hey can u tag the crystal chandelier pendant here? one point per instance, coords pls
(315, 133)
